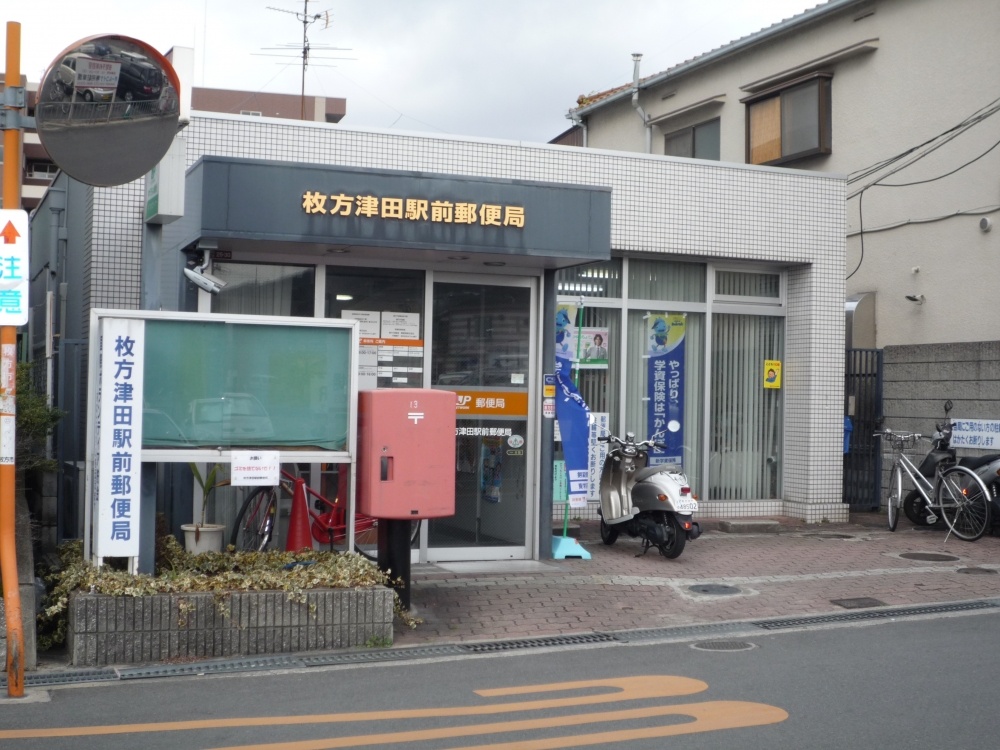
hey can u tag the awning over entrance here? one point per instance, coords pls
(255, 205)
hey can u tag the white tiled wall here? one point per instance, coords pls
(789, 218)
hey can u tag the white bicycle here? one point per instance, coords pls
(954, 492)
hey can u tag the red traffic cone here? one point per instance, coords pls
(298, 523)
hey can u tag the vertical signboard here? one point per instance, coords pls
(119, 437)
(13, 267)
(665, 386)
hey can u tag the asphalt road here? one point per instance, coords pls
(906, 683)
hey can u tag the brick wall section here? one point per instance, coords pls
(134, 630)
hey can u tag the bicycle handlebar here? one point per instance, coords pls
(638, 444)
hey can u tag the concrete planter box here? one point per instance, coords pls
(107, 629)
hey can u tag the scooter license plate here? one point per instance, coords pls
(687, 505)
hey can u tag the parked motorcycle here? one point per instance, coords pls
(987, 467)
(650, 502)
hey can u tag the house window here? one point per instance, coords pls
(790, 122)
(699, 141)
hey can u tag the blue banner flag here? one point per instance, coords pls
(665, 386)
(571, 411)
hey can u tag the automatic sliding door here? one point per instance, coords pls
(481, 347)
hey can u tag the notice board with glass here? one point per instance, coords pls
(216, 383)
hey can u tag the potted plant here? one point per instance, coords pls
(203, 536)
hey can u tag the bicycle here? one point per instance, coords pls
(256, 520)
(960, 496)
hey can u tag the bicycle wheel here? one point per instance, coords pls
(964, 503)
(892, 500)
(255, 521)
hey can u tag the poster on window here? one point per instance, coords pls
(593, 349)
(665, 334)
(491, 479)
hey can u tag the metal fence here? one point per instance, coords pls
(863, 403)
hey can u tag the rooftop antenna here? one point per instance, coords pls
(307, 19)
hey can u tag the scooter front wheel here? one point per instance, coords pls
(676, 538)
(609, 534)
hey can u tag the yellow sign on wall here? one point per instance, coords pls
(772, 373)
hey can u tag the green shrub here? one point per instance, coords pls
(178, 571)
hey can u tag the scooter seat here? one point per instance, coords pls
(974, 462)
(648, 471)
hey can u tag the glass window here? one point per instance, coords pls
(666, 280)
(645, 340)
(265, 289)
(701, 141)
(789, 123)
(592, 280)
(746, 415)
(740, 284)
(388, 304)
(373, 289)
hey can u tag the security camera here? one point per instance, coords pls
(203, 283)
(204, 280)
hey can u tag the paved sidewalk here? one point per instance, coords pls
(800, 570)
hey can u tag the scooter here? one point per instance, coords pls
(650, 502)
(987, 467)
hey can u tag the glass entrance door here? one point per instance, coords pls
(483, 336)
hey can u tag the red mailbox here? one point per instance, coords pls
(406, 453)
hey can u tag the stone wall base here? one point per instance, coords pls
(107, 629)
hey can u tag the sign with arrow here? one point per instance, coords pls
(13, 267)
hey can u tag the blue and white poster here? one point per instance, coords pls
(665, 386)
(571, 410)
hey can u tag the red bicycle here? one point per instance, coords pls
(255, 523)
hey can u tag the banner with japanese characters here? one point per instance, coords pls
(572, 411)
(119, 437)
(665, 385)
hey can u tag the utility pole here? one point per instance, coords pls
(8, 380)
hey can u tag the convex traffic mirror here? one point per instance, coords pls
(108, 109)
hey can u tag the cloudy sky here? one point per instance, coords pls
(507, 69)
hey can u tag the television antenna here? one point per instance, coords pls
(307, 19)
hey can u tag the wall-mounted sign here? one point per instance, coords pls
(413, 209)
(491, 403)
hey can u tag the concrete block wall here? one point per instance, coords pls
(134, 630)
(917, 380)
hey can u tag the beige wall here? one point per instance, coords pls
(935, 62)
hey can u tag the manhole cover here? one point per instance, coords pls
(928, 557)
(829, 535)
(714, 589)
(859, 603)
(977, 571)
(723, 646)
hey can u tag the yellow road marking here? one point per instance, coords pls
(705, 716)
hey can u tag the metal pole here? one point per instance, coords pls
(8, 408)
